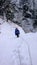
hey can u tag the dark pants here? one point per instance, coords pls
(17, 35)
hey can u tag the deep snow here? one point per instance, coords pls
(17, 51)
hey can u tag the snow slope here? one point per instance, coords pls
(31, 38)
(17, 51)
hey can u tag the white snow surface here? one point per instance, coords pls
(17, 51)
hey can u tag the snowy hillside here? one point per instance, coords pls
(17, 51)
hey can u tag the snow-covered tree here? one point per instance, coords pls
(7, 8)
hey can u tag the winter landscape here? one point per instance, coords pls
(18, 32)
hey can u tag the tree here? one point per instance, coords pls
(7, 8)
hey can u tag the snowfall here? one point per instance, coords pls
(17, 51)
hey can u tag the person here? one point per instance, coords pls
(17, 32)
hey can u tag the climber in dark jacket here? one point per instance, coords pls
(17, 32)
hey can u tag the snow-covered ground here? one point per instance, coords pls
(17, 51)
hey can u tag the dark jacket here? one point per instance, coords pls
(17, 32)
